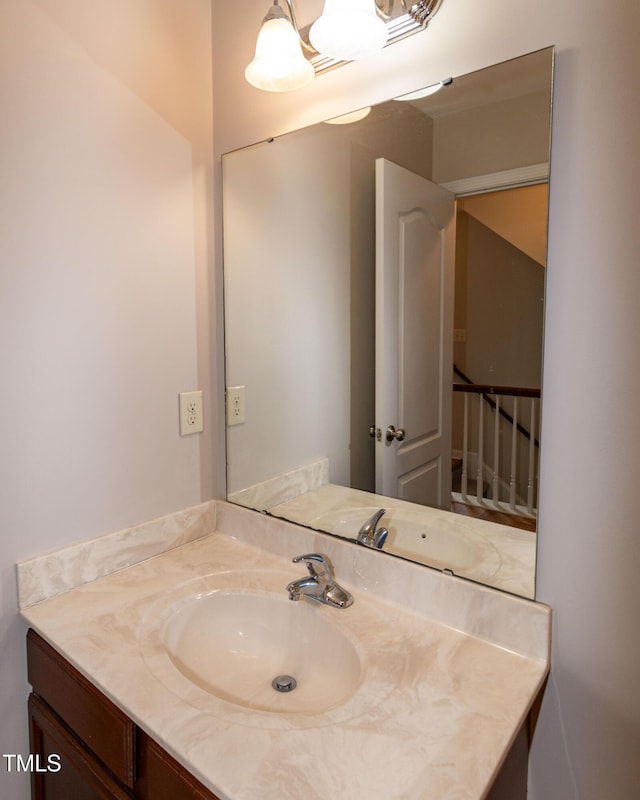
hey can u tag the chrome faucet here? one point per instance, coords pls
(370, 535)
(320, 584)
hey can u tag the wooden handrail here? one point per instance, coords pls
(486, 389)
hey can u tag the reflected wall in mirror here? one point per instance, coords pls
(384, 290)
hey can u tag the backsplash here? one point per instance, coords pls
(50, 574)
(283, 487)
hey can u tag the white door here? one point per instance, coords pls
(415, 247)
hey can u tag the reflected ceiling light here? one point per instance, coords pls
(428, 90)
(348, 30)
(352, 116)
(278, 64)
(287, 58)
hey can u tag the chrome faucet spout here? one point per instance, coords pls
(320, 585)
(304, 587)
(370, 534)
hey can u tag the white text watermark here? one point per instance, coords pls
(34, 762)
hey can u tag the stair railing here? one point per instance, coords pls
(510, 483)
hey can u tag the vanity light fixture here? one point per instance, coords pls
(287, 57)
(348, 30)
(278, 64)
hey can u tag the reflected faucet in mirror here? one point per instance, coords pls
(370, 535)
(305, 335)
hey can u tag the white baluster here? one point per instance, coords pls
(532, 448)
(496, 453)
(480, 448)
(514, 456)
(465, 447)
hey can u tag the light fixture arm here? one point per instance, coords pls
(385, 10)
(422, 10)
(305, 44)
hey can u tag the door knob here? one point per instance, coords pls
(392, 434)
(375, 432)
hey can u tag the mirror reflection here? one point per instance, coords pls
(384, 298)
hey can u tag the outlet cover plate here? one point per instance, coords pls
(191, 416)
(235, 405)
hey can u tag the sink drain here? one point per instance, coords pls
(284, 683)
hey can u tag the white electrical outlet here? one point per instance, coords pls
(235, 405)
(459, 335)
(191, 417)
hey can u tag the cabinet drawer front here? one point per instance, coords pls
(94, 718)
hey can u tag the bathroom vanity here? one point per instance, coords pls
(427, 672)
(102, 752)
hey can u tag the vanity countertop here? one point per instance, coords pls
(463, 664)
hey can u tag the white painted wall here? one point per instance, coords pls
(299, 305)
(589, 554)
(275, 248)
(105, 196)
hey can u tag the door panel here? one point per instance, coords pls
(415, 230)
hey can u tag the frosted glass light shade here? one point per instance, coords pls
(348, 30)
(278, 64)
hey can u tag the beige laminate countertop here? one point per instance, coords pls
(454, 668)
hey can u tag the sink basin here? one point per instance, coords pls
(442, 547)
(234, 643)
(218, 641)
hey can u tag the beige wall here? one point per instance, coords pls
(520, 216)
(299, 292)
(293, 358)
(503, 308)
(470, 143)
(589, 552)
(105, 196)
(500, 306)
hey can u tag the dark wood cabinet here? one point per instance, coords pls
(85, 748)
(160, 776)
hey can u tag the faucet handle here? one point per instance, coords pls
(319, 565)
(372, 523)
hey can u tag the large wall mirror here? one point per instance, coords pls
(384, 305)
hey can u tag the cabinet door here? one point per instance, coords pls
(102, 754)
(160, 777)
(80, 777)
(92, 717)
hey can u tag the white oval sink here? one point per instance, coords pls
(233, 644)
(442, 547)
